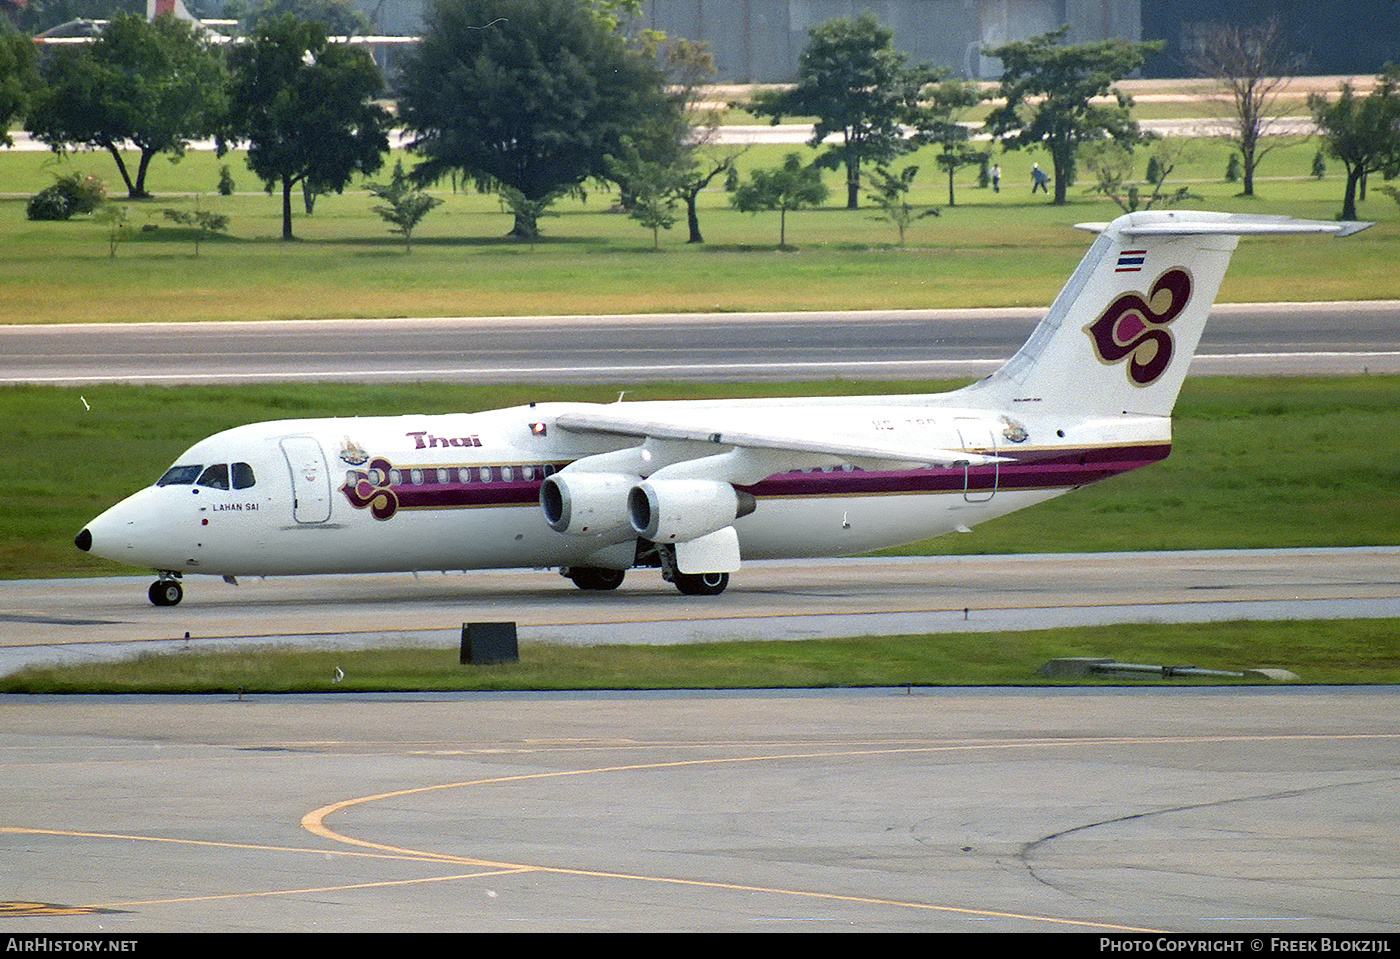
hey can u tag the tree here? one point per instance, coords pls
(303, 106)
(1049, 90)
(528, 95)
(939, 122)
(156, 85)
(699, 155)
(202, 223)
(790, 187)
(1113, 165)
(118, 220)
(1254, 67)
(1362, 132)
(17, 78)
(611, 13)
(404, 206)
(891, 195)
(856, 84)
(653, 189)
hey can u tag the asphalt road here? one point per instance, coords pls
(1108, 812)
(84, 620)
(1240, 339)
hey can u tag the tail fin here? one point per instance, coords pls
(1120, 335)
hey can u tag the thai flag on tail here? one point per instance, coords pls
(1130, 261)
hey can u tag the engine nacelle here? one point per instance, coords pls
(590, 504)
(676, 511)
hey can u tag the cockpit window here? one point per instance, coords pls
(242, 476)
(215, 477)
(179, 476)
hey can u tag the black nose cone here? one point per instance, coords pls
(83, 541)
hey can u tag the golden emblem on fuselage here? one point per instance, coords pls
(352, 454)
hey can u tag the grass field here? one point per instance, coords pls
(992, 249)
(1345, 651)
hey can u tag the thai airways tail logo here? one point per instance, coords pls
(1134, 327)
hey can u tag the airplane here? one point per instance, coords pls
(697, 487)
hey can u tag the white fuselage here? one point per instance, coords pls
(461, 491)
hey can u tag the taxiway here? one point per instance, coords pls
(76, 620)
(1109, 812)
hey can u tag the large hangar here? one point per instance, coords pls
(759, 41)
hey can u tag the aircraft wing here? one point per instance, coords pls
(895, 456)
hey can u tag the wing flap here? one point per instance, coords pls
(676, 430)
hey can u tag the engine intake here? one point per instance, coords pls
(586, 503)
(676, 511)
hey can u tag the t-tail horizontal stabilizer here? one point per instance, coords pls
(1121, 334)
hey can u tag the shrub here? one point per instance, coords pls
(1233, 169)
(86, 191)
(50, 203)
(72, 194)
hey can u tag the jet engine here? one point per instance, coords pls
(586, 503)
(676, 511)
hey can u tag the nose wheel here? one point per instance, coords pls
(166, 592)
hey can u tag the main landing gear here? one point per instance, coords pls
(691, 584)
(700, 584)
(166, 591)
(595, 577)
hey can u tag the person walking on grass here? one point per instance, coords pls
(1040, 180)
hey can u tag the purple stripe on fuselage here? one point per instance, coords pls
(1026, 469)
(468, 495)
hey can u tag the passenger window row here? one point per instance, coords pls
(452, 475)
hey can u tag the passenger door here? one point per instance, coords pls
(311, 483)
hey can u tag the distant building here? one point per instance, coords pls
(395, 18)
(1341, 37)
(759, 41)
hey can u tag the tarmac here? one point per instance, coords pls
(44, 621)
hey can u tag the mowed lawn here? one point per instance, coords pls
(990, 249)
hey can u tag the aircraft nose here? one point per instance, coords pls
(83, 540)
